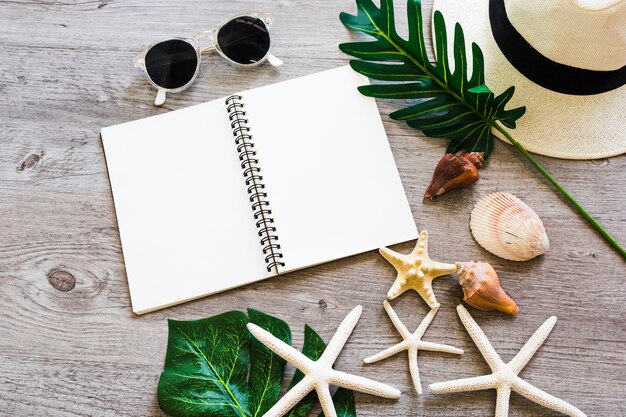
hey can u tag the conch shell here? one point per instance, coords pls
(481, 288)
(454, 171)
(505, 226)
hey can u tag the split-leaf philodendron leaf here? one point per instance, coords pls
(215, 367)
(452, 104)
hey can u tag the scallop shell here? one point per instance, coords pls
(505, 226)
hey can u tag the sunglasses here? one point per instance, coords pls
(172, 65)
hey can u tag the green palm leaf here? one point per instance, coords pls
(215, 368)
(452, 104)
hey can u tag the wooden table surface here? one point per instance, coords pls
(69, 343)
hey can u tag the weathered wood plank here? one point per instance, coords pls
(66, 72)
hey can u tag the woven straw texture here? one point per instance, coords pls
(555, 124)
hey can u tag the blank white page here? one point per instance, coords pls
(331, 179)
(183, 212)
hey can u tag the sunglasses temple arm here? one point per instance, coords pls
(160, 98)
(274, 61)
(209, 48)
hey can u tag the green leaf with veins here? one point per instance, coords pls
(343, 399)
(214, 367)
(452, 104)
(313, 348)
(266, 368)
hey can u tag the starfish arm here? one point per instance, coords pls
(502, 401)
(526, 353)
(339, 339)
(476, 383)
(361, 384)
(397, 323)
(281, 348)
(390, 351)
(436, 347)
(422, 243)
(442, 269)
(290, 399)
(326, 400)
(489, 353)
(538, 396)
(414, 370)
(421, 329)
(394, 258)
(399, 287)
(425, 290)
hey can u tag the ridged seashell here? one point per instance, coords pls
(481, 288)
(454, 171)
(505, 226)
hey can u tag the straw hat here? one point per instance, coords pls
(567, 61)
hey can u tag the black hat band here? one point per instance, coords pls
(543, 71)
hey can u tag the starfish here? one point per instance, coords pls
(416, 271)
(319, 375)
(412, 343)
(504, 377)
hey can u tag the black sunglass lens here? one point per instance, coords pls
(172, 63)
(244, 39)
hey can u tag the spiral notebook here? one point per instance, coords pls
(253, 185)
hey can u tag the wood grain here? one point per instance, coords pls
(70, 345)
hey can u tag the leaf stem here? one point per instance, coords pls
(562, 190)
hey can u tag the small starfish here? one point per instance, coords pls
(505, 375)
(412, 343)
(319, 375)
(416, 271)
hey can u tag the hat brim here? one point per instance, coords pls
(557, 125)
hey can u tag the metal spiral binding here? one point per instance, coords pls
(254, 183)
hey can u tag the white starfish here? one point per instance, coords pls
(504, 377)
(319, 375)
(412, 343)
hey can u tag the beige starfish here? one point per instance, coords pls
(412, 343)
(319, 375)
(504, 378)
(416, 271)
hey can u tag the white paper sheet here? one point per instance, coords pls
(333, 185)
(182, 208)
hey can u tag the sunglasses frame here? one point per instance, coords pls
(195, 41)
